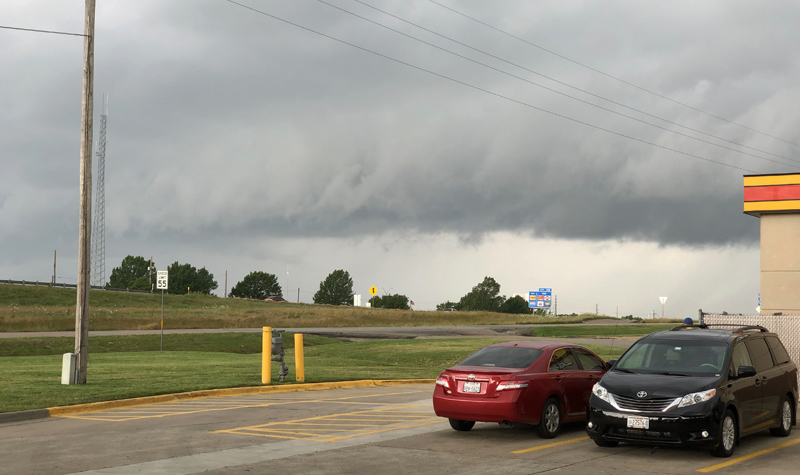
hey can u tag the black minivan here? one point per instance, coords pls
(697, 385)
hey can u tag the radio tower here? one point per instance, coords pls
(98, 272)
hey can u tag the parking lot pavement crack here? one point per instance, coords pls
(595, 459)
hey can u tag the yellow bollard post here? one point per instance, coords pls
(266, 356)
(299, 362)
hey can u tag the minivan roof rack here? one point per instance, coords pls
(735, 327)
(685, 327)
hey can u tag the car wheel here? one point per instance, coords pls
(606, 443)
(785, 417)
(460, 425)
(727, 436)
(551, 420)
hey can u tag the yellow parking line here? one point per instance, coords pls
(748, 456)
(336, 439)
(547, 446)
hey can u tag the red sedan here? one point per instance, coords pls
(531, 382)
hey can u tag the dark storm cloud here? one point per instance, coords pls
(226, 122)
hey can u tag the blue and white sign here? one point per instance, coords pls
(540, 299)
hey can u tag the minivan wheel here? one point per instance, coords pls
(551, 420)
(727, 436)
(460, 425)
(785, 418)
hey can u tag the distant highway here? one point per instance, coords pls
(510, 332)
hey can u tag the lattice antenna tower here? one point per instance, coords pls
(98, 271)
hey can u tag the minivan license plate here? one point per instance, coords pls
(635, 422)
(472, 387)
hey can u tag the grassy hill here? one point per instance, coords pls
(42, 308)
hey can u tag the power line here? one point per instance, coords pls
(41, 31)
(486, 90)
(551, 79)
(610, 76)
(561, 93)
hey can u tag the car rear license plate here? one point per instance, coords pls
(635, 422)
(472, 387)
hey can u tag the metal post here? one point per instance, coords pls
(85, 214)
(298, 295)
(162, 319)
(299, 359)
(266, 355)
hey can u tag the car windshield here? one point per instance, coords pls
(696, 358)
(503, 356)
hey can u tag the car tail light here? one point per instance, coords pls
(442, 381)
(506, 385)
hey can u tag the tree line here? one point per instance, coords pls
(486, 297)
(136, 272)
(337, 288)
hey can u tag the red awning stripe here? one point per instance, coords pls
(772, 193)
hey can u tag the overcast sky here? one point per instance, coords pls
(240, 142)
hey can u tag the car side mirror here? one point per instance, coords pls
(610, 363)
(745, 371)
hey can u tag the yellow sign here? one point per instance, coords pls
(373, 290)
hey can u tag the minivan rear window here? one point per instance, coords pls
(762, 359)
(699, 357)
(503, 356)
(778, 350)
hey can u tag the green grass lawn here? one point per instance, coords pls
(604, 331)
(132, 366)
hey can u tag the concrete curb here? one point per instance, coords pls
(208, 393)
(24, 415)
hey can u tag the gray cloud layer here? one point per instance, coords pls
(227, 123)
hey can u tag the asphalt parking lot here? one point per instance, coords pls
(367, 430)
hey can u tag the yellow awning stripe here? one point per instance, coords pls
(767, 180)
(787, 205)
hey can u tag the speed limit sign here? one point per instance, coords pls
(162, 277)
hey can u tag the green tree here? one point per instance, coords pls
(515, 304)
(391, 301)
(484, 296)
(184, 278)
(257, 285)
(132, 274)
(336, 289)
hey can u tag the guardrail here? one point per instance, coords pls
(69, 286)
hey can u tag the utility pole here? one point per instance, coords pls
(226, 285)
(54, 267)
(150, 274)
(85, 215)
(595, 309)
